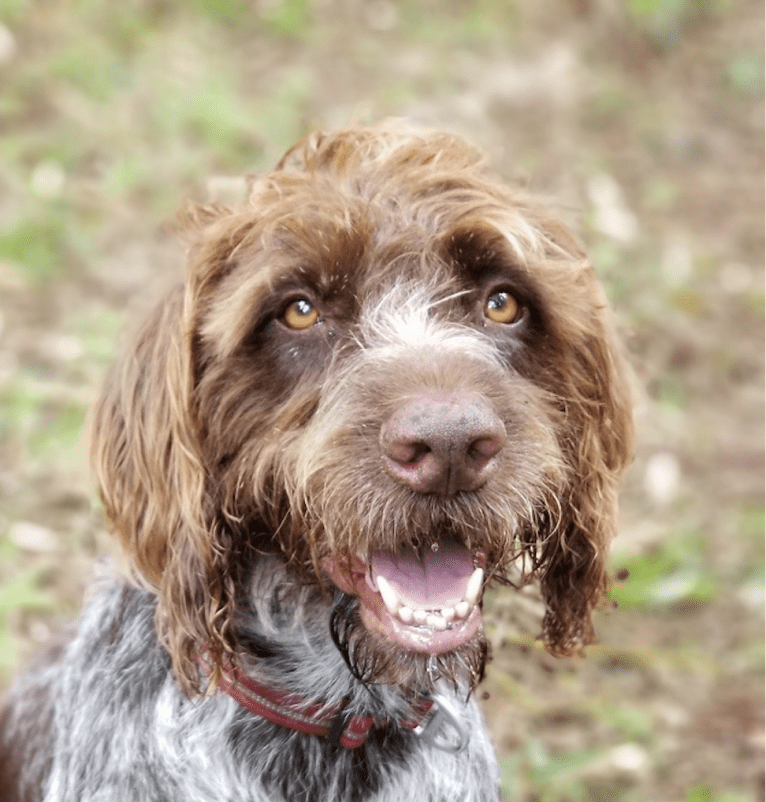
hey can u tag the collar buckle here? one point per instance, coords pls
(443, 727)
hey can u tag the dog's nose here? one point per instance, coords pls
(442, 443)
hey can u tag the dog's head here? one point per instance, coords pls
(391, 371)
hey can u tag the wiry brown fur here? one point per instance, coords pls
(220, 432)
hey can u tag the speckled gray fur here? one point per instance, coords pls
(123, 732)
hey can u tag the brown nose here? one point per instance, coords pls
(442, 443)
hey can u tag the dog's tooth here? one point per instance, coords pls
(420, 616)
(462, 609)
(474, 587)
(406, 614)
(388, 594)
(435, 621)
(448, 613)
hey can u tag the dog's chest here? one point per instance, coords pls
(258, 762)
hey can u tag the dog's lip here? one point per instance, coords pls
(426, 603)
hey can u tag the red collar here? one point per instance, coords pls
(311, 717)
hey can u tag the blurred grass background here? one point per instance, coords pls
(642, 118)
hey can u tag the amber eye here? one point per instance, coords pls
(502, 307)
(300, 315)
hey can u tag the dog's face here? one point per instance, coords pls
(392, 373)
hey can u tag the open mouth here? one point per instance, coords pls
(428, 602)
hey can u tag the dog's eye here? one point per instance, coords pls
(502, 307)
(300, 315)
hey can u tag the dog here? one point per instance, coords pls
(386, 382)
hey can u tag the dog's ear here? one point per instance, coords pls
(596, 439)
(145, 442)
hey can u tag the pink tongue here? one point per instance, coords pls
(433, 580)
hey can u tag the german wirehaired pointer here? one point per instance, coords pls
(385, 381)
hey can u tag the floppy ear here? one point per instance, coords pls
(145, 449)
(587, 377)
(597, 446)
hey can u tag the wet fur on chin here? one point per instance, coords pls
(373, 662)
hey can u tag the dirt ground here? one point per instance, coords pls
(643, 119)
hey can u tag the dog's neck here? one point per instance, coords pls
(313, 716)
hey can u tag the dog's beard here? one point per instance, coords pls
(375, 661)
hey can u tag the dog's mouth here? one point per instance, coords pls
(426, 602)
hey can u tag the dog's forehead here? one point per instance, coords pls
(349, 231)
(348, 241)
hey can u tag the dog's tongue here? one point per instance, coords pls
(434, 579)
